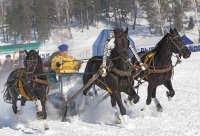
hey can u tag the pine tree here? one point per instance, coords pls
(178, 23)
(44, 11)
(191, 23)
(19, 19)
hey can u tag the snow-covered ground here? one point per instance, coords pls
(180, 117)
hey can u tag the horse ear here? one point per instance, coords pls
(171, 31)
(115, 32)
(38, 52)
(26, 51)
(175, 30)
(126, 31)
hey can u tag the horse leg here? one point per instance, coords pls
(128, 100)
(43, 102)
(82, 104)
(23, 101)
(94, 91)
(149, 95)
(113, 103)
(38, 105)
(132, 96)
(157, 103)
(117, 96)
(14, 95)
(171, 92)
(14, 107)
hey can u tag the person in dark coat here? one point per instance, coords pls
(8, 64)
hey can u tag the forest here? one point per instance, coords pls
(29, 20)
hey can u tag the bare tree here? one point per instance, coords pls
(67, 16)
(161, 14)
(3, 6)
(196, 5)
(182, 5)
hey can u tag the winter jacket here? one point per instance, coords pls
(8, 65)
(69, 66)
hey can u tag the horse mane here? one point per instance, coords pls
(119, 29)
(159, 44)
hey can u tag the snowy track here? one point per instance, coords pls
(180, 117)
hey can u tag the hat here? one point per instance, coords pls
(8, 56)
(63, 47)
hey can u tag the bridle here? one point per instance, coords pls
(126, 61)
(30, 64)
(179, 47)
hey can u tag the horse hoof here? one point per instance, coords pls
(127, 102)
(16, 117)
(159, 108)
(118, 121)
(46, 128)
(169, 98)
(80, 107)
(39, 115)
(19, 112)
(136, 99)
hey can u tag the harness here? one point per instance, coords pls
(33, 77)
(153, 69)
(21, 86)
(111, 68)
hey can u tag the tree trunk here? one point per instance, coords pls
(87, 19)
(199, 34)
(135, 17)
(115, 16)
(4, 39)
(196, 14)
(6, 34)
(68, 20)
(82, 20)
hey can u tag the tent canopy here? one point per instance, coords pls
(187, 40)
(98, 46)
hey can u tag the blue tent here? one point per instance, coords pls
(98, 46)
(187, 40)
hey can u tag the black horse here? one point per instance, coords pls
(30, 83)
(160, 67)
(119, 74)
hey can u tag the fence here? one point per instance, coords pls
(12, 48)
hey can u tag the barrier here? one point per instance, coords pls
(191, 47)
(14, 47)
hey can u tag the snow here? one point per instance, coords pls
(179, 117)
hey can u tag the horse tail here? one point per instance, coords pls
(88, 69)
(6, 96)
(92, 67)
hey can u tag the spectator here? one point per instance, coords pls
(8, 64)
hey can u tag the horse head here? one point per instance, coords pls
(32, 61)
(119, 54)
(179, 46)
